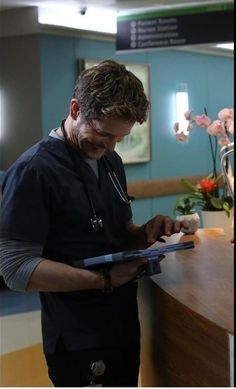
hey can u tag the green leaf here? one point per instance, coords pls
(219, 177)
(184, 205)
(196, 195)
(210, 176)
(226, 209)
(216, 202)
(229, 200)
(189, 185)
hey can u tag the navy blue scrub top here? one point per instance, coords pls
(44, 201)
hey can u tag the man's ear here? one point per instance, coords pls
(74, 109)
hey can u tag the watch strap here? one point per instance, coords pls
(107, 284)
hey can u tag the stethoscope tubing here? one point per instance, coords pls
(96, 221)
(114, 179)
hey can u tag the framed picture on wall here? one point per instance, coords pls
(135, 147)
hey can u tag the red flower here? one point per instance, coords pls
(207, 185)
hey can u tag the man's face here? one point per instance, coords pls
(94, 137)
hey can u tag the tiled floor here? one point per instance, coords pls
(21, 357)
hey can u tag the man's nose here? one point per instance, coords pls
(111, 144)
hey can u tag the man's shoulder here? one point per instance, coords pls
(37, 158)
(40, 153)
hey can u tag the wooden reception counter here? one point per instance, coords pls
(186, 315)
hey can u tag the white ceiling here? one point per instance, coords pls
(119, 6)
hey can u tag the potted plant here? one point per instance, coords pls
(185, 208)
(207, 196)
(207, 193)
(212, 199)
(216, 208)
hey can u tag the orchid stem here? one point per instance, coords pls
(213, 150)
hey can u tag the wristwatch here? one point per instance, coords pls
(107, 284)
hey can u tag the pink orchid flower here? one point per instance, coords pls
(226, 113)
(231, 127)
(222, 128)
(181, 137)
(224, 140)
(202, 120)
(216, 128)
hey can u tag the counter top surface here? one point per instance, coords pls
(201, 278)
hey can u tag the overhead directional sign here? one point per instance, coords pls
(178, 27)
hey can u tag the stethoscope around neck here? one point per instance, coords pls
(95, 220)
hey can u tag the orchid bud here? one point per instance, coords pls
(188, 115)
(176, 127)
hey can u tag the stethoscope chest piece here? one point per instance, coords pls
(96, 223)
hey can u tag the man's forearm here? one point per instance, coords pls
(50, 276)
(23, 268)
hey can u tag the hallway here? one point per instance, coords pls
(21, 358)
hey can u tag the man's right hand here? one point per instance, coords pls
(121, 273)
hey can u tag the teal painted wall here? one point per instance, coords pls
(210, 84)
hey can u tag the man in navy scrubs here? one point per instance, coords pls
(65, 199)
